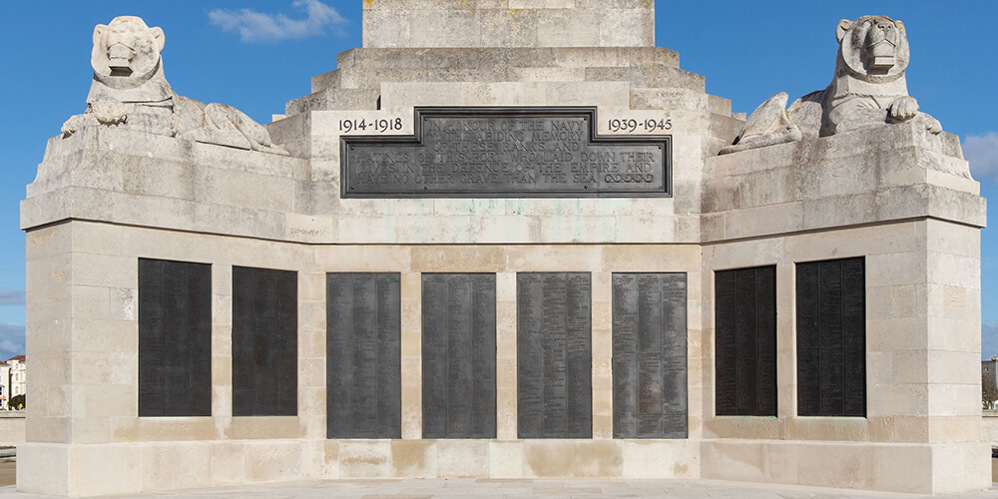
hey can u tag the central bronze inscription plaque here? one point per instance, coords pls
(506, 152)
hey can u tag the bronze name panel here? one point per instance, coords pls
(650, 398)
(174, 338)
(363, 355)
(831, 337)
(745, 342)
(459, 355)
(554, 355)
(264, 342)
(505, 152)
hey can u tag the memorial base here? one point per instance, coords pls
(895, 467)
(111, 469)
(83, 470)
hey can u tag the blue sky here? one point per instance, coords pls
(256, 55)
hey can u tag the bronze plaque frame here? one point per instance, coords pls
(505, 152)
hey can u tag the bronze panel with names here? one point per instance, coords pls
(174, 338)
(459, 355)
(363, 355)
(745, 342)
(554, 355)
(264, 342)
(649, 355)
(831, 338)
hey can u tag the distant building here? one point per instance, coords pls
(989, 376)
(17, 366)
(4, 384)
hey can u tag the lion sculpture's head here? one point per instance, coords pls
(126, 52)
(873, 48)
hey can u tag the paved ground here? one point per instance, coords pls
(546, 489)
(482, 488)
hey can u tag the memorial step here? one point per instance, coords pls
(517, 57)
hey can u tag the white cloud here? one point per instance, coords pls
(254, 26)
(982, 152)
(11, 297)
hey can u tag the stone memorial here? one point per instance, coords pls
(503, 241)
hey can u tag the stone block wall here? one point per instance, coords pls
(989, 427)
(904, 201)
(162, 453)
(12, 429)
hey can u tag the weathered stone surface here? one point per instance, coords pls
(362, 73)
(518, 23)
(768, 125)
(836, 181)
(519, 57)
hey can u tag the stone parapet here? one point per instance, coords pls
(105, 174)
(989, 428)
(888, 173)
(12, 427)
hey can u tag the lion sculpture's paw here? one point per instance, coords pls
(109, 111)
(76, 123)
(903, 109)
(768, 125)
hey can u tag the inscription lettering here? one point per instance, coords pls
(375, 125)
(500, 152)
(633, 125)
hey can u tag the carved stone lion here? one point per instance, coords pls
(868, 90)
(130, 90)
